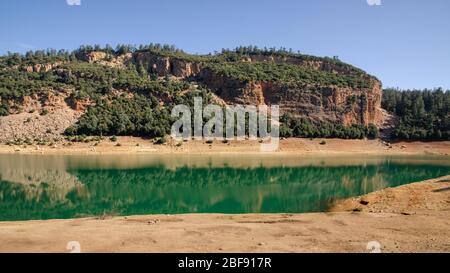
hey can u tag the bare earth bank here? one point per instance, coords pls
(409, 218)
(298, 146)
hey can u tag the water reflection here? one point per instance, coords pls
(43, 187)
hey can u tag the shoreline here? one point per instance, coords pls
(409, 218)
(290, 146)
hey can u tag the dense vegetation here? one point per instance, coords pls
(292, 75)
(239, 52)
(136, 116)
(309, 129)
(423, 114)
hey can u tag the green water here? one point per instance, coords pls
(49, 187)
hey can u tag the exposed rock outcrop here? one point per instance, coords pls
(335, 104)
(164, 66)
(103, 58)
(92, 57)
(40, 67)
(181, 68)
(329, 103)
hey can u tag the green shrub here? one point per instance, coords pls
(44, 112)
(160, 140)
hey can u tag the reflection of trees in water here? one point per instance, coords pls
(36, 194)
(53, 184)
(181, 190)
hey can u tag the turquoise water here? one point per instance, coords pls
(49, 187)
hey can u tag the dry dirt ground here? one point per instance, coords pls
(133, 145)
(410, 218)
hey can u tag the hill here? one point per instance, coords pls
(51, 95)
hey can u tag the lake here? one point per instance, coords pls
(53, 187)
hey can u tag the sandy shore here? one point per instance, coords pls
(133, 145)
(409, 218)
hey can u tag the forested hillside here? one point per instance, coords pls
(130, 91)
(423, 114)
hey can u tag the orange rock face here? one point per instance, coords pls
(329, 103)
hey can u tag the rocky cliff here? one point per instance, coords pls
(164, 66)
(347, 105)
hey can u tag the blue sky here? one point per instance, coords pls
(405, 43)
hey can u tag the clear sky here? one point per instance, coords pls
(405, 43)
